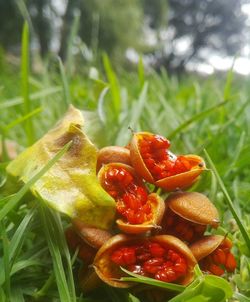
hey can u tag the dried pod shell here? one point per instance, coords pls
(185, 179)
(158, 208)
(93, 236)
(194, 207)
(205, 246)
(136, 158)
(112, 154)
(110, 273)
(88, 279)
(85, 252)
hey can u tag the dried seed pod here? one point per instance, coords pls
(92, 236)
(184, 180)
(188, 214)
(86, 253)
(113, 154)
(138, 212)
(156, 164)
(88, 279)
(213, 254)
(162, 257)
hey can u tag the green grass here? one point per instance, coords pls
(195, 112)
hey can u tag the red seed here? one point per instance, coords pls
(124, 256)
(153, 265)
(166, 275)
(131, 201)
(141, 194)
(156, 250)
(231, 263)
(216, 270)
(219, 256)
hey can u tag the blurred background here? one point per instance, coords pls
(179, 35)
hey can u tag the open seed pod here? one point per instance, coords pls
(162, 257)
(188, 214)
(157, 207)
(92, 236)
(213, 254)
(86, 253)
(156, 164)
(138, 211)
(113, 154)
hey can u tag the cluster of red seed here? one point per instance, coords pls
(152, 260)
(132, 199)
(182, 228)
(220, 260)
(159, 161)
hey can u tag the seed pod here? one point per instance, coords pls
(92, 236)
(88, 279)
(86, 253)
(161, 257)
(112, 154)
(188, 214)
(138, 212)
(157, 207)
(185, 179)
(156, 164)
(213, 254)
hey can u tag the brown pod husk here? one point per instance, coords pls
(93, 236)
(88, 279)
(110, 273)
(205, 246)
(113, 154)
(158, 210)
(85, 252)
(136, 158)
(195, 207)
(186, 179)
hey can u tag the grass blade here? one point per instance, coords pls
(150, 281)
(114, 86)
(141, 72)
(34, 96)
(17, 197)
(64, 250)
(6, 263)
(195, 118)
(18, 237)
(229, 201)
(54, 247)
(66, 93)
(22, 118)
(25, 82)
